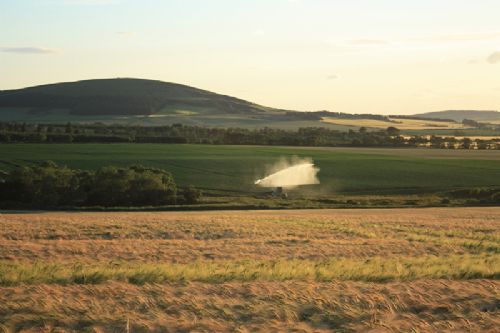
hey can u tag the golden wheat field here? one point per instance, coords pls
(386, 270)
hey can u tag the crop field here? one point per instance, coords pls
(411, 270)
(402, 124)
(174, 114)
(235, 168)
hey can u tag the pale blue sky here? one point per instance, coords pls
(377, 56)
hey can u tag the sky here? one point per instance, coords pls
(355, 56)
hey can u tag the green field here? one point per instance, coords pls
(235, 168)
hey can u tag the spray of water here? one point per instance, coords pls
(291, 174)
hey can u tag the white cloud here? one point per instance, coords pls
(494, 58)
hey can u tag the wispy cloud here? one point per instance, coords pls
(333, 77)
(494, 58)
(84, 2)
(436, 39)
(27, 50)
(458, 37)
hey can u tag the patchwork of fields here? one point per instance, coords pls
(400, 123)
(420, 270)
(235, 168)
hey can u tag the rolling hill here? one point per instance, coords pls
(129, 101)
(121, 97)
(459, 115)
(142, 102)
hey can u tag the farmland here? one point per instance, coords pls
(234, 169)
(400, 123)
(308, 271)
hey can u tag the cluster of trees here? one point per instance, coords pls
(480, 125)
(483, 195)
(452, 142)
(50, 186)
(177, 133)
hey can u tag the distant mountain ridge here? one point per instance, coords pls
(460, 115)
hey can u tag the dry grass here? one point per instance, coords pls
(289, 271)
(371, 270)
(419, 306)
(266, 235)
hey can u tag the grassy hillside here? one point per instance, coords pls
(459, 115)
(142, 102)
(235, 168)
(130, 101)
(122, 97)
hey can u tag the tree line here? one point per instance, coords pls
(177, 133)
(49, 185)
(11, 132)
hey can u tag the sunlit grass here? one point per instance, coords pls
(372, 270)
(313, 271)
